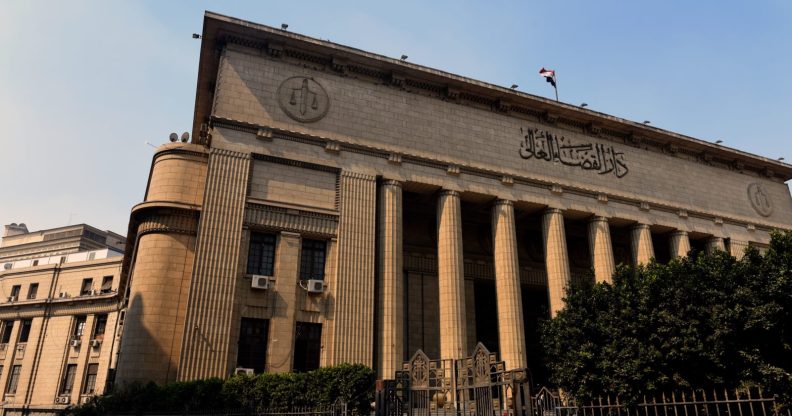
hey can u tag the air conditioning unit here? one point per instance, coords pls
(315, 286)
(75, 343)
(259, 282)
(12, 298)
(95, 343)
(62, 400)
(245, 371)
(93, 292)
(85, 399)
(63, 295)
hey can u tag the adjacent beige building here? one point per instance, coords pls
(336, 205)
(59, 313)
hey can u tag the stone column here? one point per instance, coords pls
(601, 249)
(737, 248)
(391, 280)
(511, 333)
(450, 270)
(280, 354)
(714, 244)
(680, 243)
(556, 258)
(642, 250)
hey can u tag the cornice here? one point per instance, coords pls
(344, 61)
(349, 145)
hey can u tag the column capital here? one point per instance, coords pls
(505, 202)
(551, 210)
(391, 182)
(289, 234)
(639, 226)
(449, 192)
(598, 218)
(679, 232)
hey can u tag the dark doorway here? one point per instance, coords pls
(307, 346)
(253, 344)
(536, 309)
(486, 314)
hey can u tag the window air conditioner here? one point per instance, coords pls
(62, 400)
(92, 292)
(12, 298)
(315, 286)
(246, 371)
(259, 282)
(75, 343)
(95, 343)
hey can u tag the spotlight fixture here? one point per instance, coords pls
(284, 26)
(197, 36)
(404, 57)
(646, 122)
(173, 137)
(780, 159)
(583, 105)
(718, 141)
(514, 86)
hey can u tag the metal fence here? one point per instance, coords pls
(336, 409)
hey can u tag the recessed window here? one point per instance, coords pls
(15, 291)
(79, 326)
(13, 379)
(24, 330)
(67, 384)
(32, 291)
(307, 346)
(8, 326)
(252, 352)
(107, 284)
(261, 254)
(100, 327)
(90, 378)
(85, 289)
(312, 259)
(35, 262)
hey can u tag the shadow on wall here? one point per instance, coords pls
(141, 358)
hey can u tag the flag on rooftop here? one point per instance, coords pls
(549, 75)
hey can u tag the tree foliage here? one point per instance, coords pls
(696, 322)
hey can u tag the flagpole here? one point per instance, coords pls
(555, 86)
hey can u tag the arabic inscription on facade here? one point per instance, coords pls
(543, 145)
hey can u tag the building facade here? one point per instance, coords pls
(59, 315)
(340, 206)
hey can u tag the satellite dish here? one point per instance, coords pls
(185, 137)
(173, 137)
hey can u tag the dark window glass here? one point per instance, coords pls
(35, 262)
(253, 344)
(261, 255)
(32, 291)
(13, 379)
(312, 259)
(87, 284)
(24, 330)
(100, 327)
(90, 378)
(15, 291)
(307, 346)
(68, 379)
(107, 284)
(79, 326)
(8, 326)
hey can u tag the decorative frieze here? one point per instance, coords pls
(169, 221)
(299, 221)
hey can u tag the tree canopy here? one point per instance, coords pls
(704, 321)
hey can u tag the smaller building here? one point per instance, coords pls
(60, 314)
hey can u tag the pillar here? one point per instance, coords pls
(737, 248)
(601, 249)
(450, 270)
(511, 333)
(556, 258)
(642, 250)
(391, 280)
(680, 243)
(280, 354)
(714, 244)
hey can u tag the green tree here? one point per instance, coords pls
(696, 322)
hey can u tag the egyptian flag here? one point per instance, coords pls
(549, 75)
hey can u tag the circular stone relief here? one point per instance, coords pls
(760, 199)
(303, 99)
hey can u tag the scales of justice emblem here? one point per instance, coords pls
(303, 99)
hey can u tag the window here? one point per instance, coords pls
(261, 255)
(24, 330)
(90, 379)
(63, 259)
(15, 291)
(8, 326)
(35, 262)
(68, 379)
(32, 290)
(87, 284)
(92, 255)
(107, 284)
(99, 328)
(13, 379)
(307, 346)
(79, 326)
(252, 351)
(312, 259)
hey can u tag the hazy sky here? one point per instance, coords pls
(84, 84)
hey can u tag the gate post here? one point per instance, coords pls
(521, 393)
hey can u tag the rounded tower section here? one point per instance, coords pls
(163, 232)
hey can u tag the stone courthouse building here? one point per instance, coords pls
(335, 206)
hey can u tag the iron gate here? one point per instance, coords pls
(478, 385)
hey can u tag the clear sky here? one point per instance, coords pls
(84, 84)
